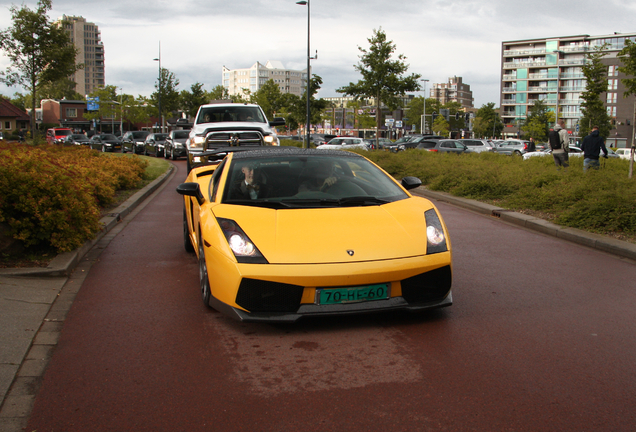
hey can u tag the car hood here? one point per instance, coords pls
(334, 235)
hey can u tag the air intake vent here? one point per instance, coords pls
(429, 286)
(264, 296)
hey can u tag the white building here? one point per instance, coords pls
(237, 81)
(87, 40)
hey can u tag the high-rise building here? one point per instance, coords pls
(237, 81)
(453, 91)
(551, 70)
(87, 40)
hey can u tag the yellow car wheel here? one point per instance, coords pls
(204, 280)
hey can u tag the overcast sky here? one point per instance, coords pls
(440, 38)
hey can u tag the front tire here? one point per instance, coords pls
(204, 279)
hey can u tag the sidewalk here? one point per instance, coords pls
(34, 302)
(33, 305)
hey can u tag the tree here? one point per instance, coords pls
(269, 98)
(108, 104)
(218, 93)
(592, 107)
(628, 57)
(40, 52)
(537, 122)
(190, 101)
(382, 77)
(440, 126)
(166, 93)
(487, 122)
(61, 89)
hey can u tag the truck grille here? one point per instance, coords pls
(233, 139)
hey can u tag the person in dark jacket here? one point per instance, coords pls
(592, 146)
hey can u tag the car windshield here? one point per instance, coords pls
(108, 137)
(161, 136)
(180, 134)
(79, 137)
(301, 181)
(240, 113)
(138, 135)
(63, 132)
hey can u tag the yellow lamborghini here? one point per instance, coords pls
(283, 233)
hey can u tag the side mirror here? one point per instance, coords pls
(278, 121)
(191, 189)
(411, 182)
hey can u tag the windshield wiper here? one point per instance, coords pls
(361, 201)
(259, 203)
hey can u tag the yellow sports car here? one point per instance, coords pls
(283, 233)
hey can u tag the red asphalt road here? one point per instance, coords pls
(540, 338)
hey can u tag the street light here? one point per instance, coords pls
(121, 115)
(423, 126)
(307, 90)
(159, 93)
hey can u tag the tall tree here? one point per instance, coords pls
(40, 52)
(537, 122)
(487, 122)
(592, 107)
(628, 57)
(166, 89)
(382, 77)
(60, 89)
(193, 99)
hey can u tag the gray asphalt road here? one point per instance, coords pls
(540, 338)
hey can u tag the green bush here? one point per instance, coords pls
(602, 201)
(52, 195)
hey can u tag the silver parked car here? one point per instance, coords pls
(513, 147)
(478, 145)
(344, 143)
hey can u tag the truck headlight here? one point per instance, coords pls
(197, 142)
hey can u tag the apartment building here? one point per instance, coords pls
(453, 91)
(87, 40)
(551, 70)
(238, 81)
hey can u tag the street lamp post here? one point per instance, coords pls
(159, 93)
(423, 127)
(308, 89)
(121, 114)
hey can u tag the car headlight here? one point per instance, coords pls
(244, 250)
(272, 140)
(435, 238)
(197, 142)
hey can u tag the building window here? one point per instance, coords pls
(611, 111)
(7, 125)
(71, 112)
(612, 70)
(611, 98)
(612, 84)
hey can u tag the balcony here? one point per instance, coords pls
(522, 52)
(516, 65)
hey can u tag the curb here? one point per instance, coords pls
(596, 241)
(64, 263)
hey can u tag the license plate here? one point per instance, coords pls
(352, 295)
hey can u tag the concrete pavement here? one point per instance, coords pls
(34, 302)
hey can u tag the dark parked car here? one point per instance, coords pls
(320, 139)
(443, 146)
(478, 145)
(105, 142)
(175, 145)
(76, 139)
(133, 141)
(154, 144)
(410, 142)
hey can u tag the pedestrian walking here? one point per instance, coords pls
(560, 145)
(592, 146)
(531, 146)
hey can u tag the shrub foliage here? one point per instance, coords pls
(602, 201)
(51, 196)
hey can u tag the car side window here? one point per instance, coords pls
(216, 179)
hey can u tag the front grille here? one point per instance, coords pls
(233, 139)
(429, 286)
(264, 296)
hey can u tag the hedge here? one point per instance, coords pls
(52, 196)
